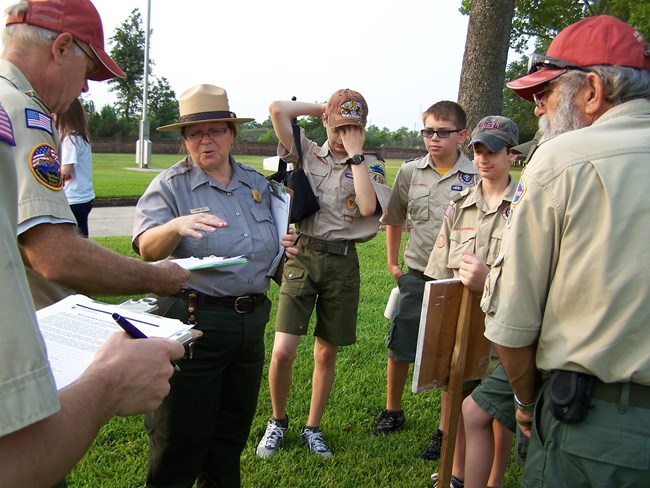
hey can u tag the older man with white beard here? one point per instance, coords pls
(568, 301)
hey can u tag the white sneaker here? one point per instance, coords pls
(313, 437)
(272, 439)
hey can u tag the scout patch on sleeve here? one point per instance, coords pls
(377, 173)
(46, 167)
(520, 191)
(6, 129)
(38, 120)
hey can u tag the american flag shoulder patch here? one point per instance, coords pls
(6, 129)
(38, 120)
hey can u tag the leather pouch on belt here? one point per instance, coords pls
(570, 395)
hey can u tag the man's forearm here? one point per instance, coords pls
(519, 364)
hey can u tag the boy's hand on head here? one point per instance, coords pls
(353, 138)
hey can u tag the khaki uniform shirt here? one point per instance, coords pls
(186, 189)
(332, 181)
(575, 266)
(27, 389)
(469, 226)
(40, 184)
(421, 194)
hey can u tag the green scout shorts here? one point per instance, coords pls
(494, 395)
(330, 283)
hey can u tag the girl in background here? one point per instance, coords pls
(76, 162)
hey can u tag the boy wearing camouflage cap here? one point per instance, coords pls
(467, 246)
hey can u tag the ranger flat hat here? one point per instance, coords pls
(203, 103)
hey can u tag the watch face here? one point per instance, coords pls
(357, 159)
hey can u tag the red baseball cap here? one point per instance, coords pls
(599, 40)
(76, 17)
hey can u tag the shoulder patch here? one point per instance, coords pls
(38, 120)
(46, 167)
(6, 129)
(520, 191)
(377, 172)
(506, 213)
(465, 177)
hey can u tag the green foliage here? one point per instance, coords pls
(163, 106)
(515, 107)
(268, 136)
(314, 129)
(128, 52)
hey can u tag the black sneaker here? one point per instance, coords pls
(387, 422)
(432, 451)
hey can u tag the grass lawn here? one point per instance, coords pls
(118, 457)
(112, 179)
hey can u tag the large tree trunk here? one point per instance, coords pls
(486, 55)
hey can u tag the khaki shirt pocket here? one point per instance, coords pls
(418, 206)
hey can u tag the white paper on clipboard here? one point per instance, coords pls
(281, 197)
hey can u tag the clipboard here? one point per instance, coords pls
(281, 203)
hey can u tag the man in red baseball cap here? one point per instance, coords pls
(568, 302)
(51, 49)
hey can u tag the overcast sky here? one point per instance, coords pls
(401, 55)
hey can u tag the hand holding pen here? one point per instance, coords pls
(134, 332)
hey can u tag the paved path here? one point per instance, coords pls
(111, 221)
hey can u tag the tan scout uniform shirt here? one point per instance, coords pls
(422, 194)
(27, 390)
(575, 266)
(339, 217)
(469, 226)
(186, 189)
(40, 185)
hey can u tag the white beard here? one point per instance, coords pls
(566, 118)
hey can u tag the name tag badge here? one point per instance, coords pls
(199, 210)
(456, 187)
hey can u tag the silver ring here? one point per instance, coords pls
(196, 226)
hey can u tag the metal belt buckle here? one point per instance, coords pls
(244, 304)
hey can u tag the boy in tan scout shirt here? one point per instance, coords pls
(421, 192)
(466, 248)
(352, 192)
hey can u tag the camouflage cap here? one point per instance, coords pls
(346, 107)
(495, 132)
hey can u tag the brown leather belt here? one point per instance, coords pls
(333, 247)
(242, 304)
(639, 395)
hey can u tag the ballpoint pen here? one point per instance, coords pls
(134, 332)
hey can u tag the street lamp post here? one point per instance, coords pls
(143, 146)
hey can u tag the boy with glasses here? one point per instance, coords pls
(422, 190)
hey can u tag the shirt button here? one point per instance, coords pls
(229, 193)
(250, 282)
(245, 234)
(237, 214)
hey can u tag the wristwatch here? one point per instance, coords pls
(356, 159)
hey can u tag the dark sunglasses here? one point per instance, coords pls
(539, 61)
